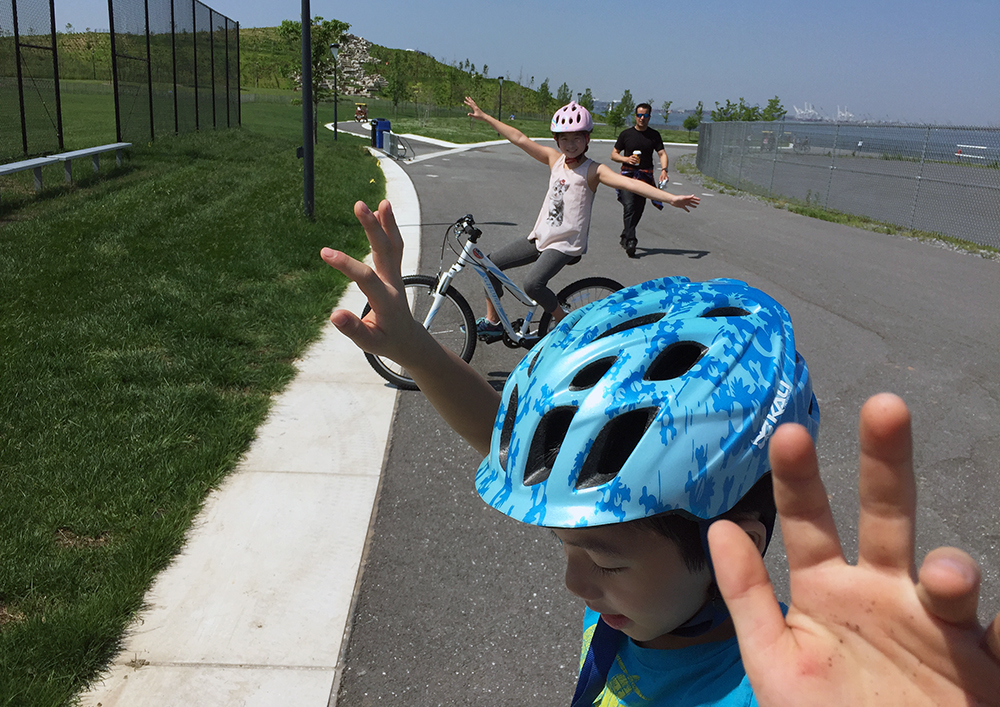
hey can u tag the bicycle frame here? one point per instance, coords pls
(484, 267)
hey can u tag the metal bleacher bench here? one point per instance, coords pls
(66, 158)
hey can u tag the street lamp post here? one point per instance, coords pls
(500, 102)
(334, 49)
(308, 174)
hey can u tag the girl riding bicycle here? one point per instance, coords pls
(563, 225)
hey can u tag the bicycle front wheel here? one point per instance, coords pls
(579, 294)
(453, 326)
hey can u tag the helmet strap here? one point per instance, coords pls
(714, 611)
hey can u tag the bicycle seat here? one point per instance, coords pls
(575, 260)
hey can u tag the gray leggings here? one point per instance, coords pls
(546, 264)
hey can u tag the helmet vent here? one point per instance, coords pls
(675, 360)
(591, 373)
(726, 312)
(613, 446)
(508, 429)
(633, 323)
(546, 443)
(534, 360)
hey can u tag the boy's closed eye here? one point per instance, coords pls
(607, 570)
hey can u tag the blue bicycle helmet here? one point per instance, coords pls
(659, 398)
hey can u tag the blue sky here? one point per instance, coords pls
(884, 59)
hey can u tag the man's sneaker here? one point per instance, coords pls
(629, 246)
(488, 331)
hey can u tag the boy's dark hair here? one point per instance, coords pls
(649, 108)
(756, 504)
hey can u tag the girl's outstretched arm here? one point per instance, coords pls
(546, 155)
(609, 178)
(466, 401)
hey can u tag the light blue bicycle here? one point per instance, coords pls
(446, 314)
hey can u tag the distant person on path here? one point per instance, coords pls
(634, 150)
(646, 432)
(563, 225)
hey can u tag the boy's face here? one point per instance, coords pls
(635, 578)
(572, 144)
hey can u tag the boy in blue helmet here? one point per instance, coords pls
(877, 632)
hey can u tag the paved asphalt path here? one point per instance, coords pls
(460, 605)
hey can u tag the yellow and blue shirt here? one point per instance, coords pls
(706, 675)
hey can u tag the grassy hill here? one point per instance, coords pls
(268, 63)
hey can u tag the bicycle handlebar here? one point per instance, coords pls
(465, 227)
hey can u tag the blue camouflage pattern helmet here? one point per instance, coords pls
(659, 398)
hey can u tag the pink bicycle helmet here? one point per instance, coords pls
(572, 118)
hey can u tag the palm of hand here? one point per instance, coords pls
(860, 636)
(865, 634)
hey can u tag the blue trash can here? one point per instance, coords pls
(383, 127)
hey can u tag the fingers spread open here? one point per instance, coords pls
(806, 521)
(886, 487)
(745, 586)
(387, 248)
(949, 585)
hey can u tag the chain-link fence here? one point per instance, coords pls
(176, 68)
(30, 114)
(939, 179)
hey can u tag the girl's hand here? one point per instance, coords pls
(474, 110)
(684, 202)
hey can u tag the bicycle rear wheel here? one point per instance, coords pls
(579, 294)
(454, 326)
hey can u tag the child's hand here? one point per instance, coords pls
(474, 110)
(872, 633)
(684, 202)
(389, 326)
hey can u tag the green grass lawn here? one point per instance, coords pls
(147, 316)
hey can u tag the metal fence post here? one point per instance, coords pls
(211, 60)
(173, 63)
(833, 166)
(920, 174)
(20, 80)
(114, 68)
(743, 150)
(55, 74)
(149, 71)
(194, 59)
(239, 80)
(774, 160)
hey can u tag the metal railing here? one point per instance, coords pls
(30, 110)
(937, 179)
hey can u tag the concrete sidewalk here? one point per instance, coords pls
(254, 610)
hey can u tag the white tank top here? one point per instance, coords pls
(564, 221)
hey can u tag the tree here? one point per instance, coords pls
(694, 120)
(773, 110)
(323, 33)
(614, 117)
(587, 100)
(745, 111)
(626, 106)
(544, 95)
(564, 95)
(665, 107)
(397, 79)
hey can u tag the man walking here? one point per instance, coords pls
(634, 150)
